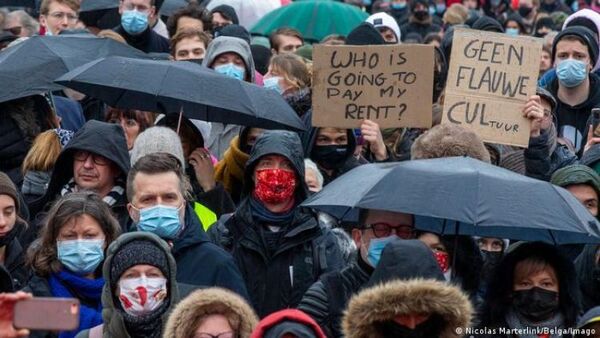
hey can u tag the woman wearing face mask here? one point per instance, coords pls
(11, 252)
(492, 251)
(291, 77)
(514, 25)
(533, 287)
(464, 267)
(140, 288)
(67, 259)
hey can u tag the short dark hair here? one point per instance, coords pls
(286, 31)
(187, 34)
(194, 11)
(158, 163)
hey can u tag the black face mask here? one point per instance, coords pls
(524, 11)
(491, 259)
(9, 236)
(429, 328)
(331, 156)
(421, 15)
(196, 61)
(536, 304)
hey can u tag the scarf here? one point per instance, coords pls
(147, 326)
(111, 198)
(230, 170)
(263, 216)
(88, 291)
(515, 321)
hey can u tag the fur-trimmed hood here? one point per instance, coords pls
(383, 302)
(204, 302)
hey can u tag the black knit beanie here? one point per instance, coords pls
(137, 252)
(364, 34)
(7, 187)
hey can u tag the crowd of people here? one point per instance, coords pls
(166, 226)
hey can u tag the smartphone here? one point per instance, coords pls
(596, 122)
(51, 314)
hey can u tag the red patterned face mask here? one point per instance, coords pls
(274, 186)
(443, 260)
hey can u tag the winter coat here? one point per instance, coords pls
(300, 101)
(413, 26)
(203, 263)
(105, 139)
(206, 302)
(326, 300)
(498, 299)
(14, 262)
(305, 250)
(112, 313)
(573, 120)
(292, 322)
(544, 156)
(588, 277)
(148, 41)
(222, 134)
(383, 302)
(591, 157)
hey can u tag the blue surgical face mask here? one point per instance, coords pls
(231, 70)
(273, 84)
(571, 73)
(134, 22)
(376, 247)
(160, 220)
(512, 31)
(81, 256)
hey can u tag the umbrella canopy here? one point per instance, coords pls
(94, 5)
(31, 66)
(315, 19)
(169, 7)
(168, 86)
(248, 11)
(462, 196)
(17, 3)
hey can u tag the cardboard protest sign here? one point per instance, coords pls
(391, 85)
(491, 76)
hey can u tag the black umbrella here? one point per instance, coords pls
(462, 196)
(169, 7)
(17, 3)
(94, 5)
(169, 86)
(30, 67)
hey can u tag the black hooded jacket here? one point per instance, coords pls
(327, 299)
(105, 139)
(588, 277)
(498, 299)
(305, 250)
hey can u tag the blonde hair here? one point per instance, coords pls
(43, 153)
(292, 69)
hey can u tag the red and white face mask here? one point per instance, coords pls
(443, 260)
(274, 185)
(140, 296)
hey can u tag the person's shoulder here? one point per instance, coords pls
(212, 252)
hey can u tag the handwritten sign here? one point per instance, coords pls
(490, 79)
(391, 85)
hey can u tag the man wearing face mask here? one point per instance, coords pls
(140, 289)
(157, 190)
(577, 90)
(326, 299)
(420, 21)
(280, 248)
(134, 27)
(229, 56)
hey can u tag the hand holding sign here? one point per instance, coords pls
(372, 135)
(491, 77)
(534, 111)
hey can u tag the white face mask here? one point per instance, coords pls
(140, 296)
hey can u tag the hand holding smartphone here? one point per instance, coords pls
(596, 122)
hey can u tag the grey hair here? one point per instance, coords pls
(28, 22)
(309, 164)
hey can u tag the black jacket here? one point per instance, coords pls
(15, 264)
(498, 300)
(105, 139)
(544, 156)
(573, 120)
(326, 300)
(200, 262)
(588, 277)
(419, 28)
(304, 252)
(148, 41)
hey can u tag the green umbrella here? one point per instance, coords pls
(315, 19)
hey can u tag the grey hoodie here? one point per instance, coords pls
(114, 325)
(222, 134)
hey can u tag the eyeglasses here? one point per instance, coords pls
(229, 334)
(62, 16)
(14, 30)
(82, 156)
(385, 230)
(139, 8)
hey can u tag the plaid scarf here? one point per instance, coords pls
(111, 198)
